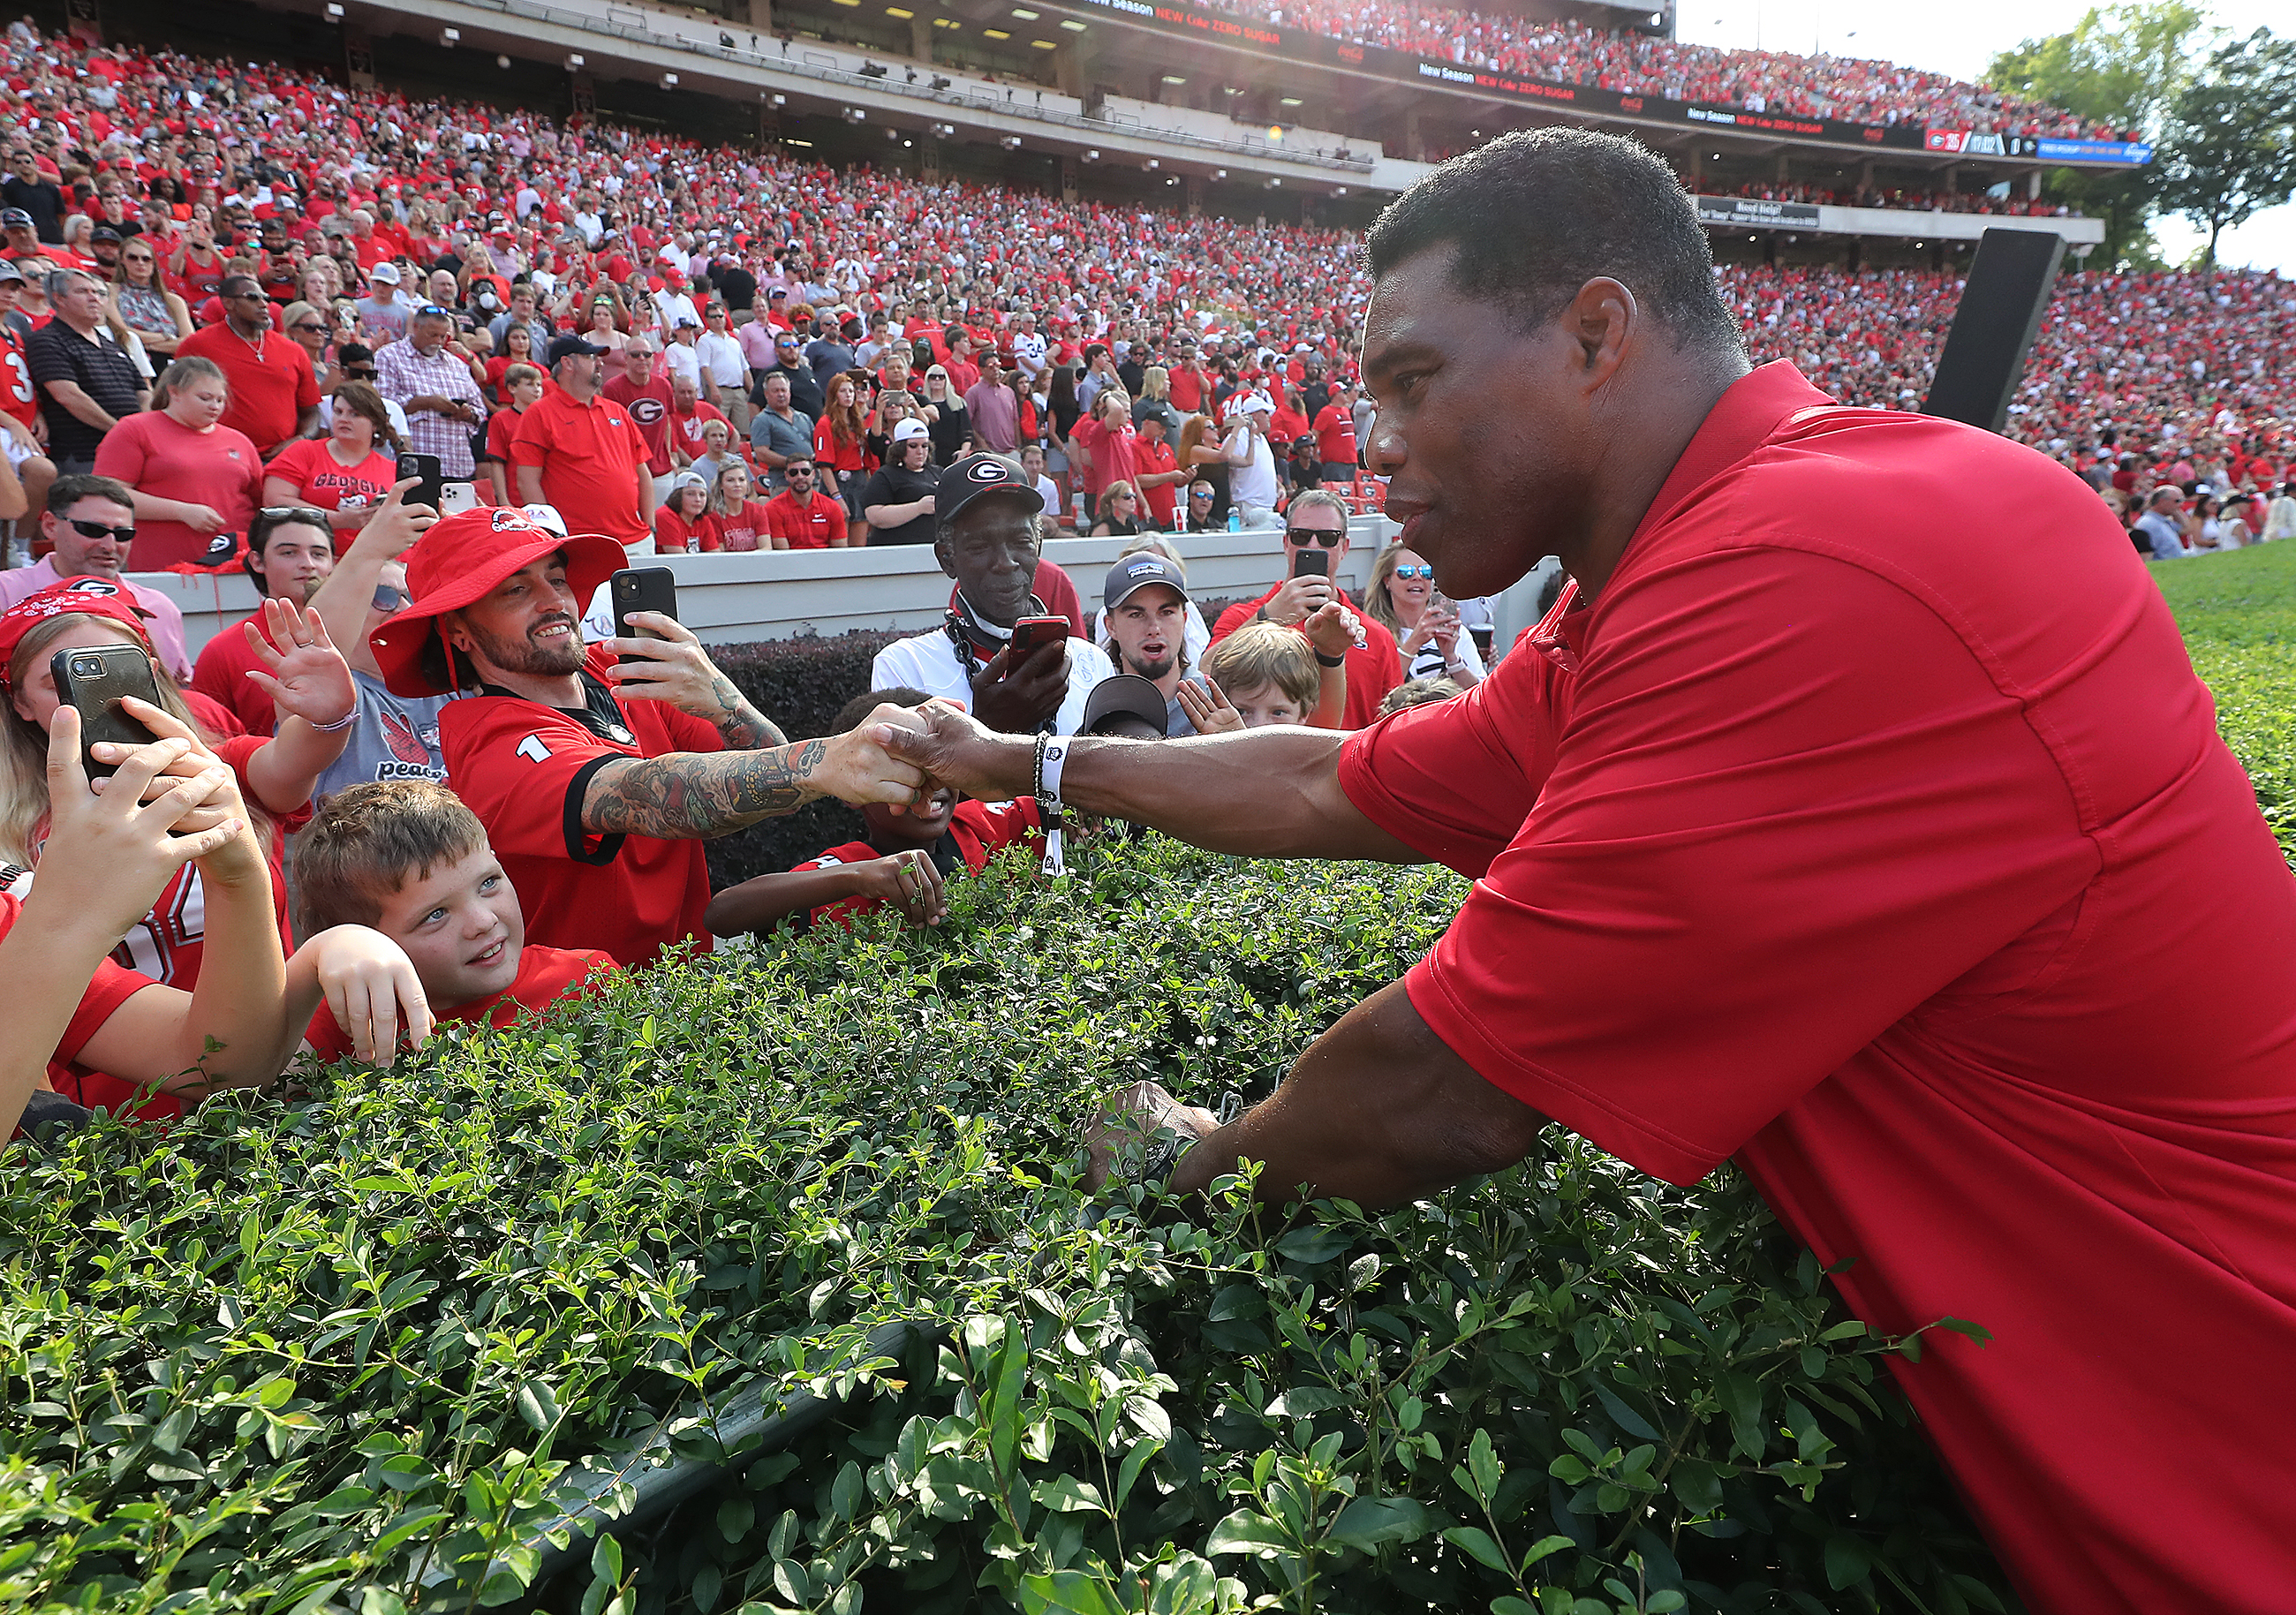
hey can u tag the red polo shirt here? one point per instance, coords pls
(1374, 667)
(815, 525)
(590, 456)
(272, 383)
(1876, 856)
(524, 769)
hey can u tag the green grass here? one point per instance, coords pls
(2238, 616)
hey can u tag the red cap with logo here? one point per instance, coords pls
(458, 561)
(82, 596)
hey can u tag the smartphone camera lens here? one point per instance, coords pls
(86, 666)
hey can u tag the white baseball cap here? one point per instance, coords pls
(906, 430)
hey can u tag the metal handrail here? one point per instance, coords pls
(740, 56)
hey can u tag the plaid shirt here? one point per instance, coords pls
(402, 374)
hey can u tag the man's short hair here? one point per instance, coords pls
(65, 492)
(854, 713)
(1311, 496)
(368, 841)
(520, 372)
(1261, 654)
(1535, 215)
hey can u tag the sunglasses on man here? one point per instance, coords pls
(1329, 539)
(97, 529)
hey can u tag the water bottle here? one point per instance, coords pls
(1234, 520)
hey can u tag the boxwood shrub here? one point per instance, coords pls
(344, 1354)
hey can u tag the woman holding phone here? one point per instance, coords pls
(348, 472)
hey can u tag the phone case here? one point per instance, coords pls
(94, 678)
(653, 588)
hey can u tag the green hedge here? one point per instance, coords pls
(2238, 614)
(296, 1362)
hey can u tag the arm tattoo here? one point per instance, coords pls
(742, 725)
(685, 795)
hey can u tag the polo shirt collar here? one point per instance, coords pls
(1744, 418)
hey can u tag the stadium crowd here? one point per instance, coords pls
(1892, 196)
(1848, 89)
(234, 299)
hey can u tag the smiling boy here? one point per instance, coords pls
(406, 858)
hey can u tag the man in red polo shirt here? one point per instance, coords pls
(1317, 521)
(1804, 835)
(584, 455)
(597, 779)
(274, 394)
(801, 517)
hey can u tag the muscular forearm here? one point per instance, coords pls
(684, 795)
(749, 729)
(1379, 1110)
(1272, 792)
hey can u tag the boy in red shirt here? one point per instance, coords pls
(909, 852)
(405, 858)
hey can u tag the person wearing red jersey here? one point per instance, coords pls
(409, 860)
(22, 437)
(1808, 836)
(644, 390)
(1317, 520)
(597, 779)
(736, 522)
(1335, 434)
(801, 517)
(911, 850)
(289, 552)
(689, 413)
(683, 525)
(585, 455)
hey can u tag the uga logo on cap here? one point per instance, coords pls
(508, 520)
(987, 470)
(92, 586)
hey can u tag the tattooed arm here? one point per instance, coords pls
(682, 795)
(676, 670)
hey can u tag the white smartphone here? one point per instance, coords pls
(457, 496)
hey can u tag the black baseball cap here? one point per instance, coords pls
(1128, 693)
(567, 347)
(974, 475)
(104, 232)
(1134, 572)
(14, 218)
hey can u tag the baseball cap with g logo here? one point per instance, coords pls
(976, 475)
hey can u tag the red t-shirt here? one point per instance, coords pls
(523, 768)
(688, 428)
(741, 530)
(111, 987)
(545, 975)
(1163, 499)
(673, 534)
(1335, 435)
(323, 481)
(649, 407)
(220, 675)
(977, 831)
(817, 524)
(269, 392)
(589, 455)
(1186, 391)
(1876, 856)
(161, 456)
(1374, 667)
(1114, 458)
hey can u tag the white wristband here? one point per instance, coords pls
(1048, 795)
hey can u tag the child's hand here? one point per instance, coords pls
(1334, 629)
(371, 989)
(908, 882)
(1209, 708)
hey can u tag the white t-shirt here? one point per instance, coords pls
(1251, 479)
(929, 662)
(1427, 661)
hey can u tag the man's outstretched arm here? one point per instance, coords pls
(683, 795)
(1378, 1111)
(1271, 792)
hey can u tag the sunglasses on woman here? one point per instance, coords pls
(1414, 572)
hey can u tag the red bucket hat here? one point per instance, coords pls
(458, 561)
(82, 596)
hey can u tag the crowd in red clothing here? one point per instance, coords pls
(1936, 201)
(1848, 89)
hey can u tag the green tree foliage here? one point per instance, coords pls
(2123, 66)
(2230, 148)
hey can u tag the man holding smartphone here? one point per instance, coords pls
(989, 522)
(1315, 548)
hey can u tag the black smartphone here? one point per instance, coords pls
(646, 589)
(93, 679)
(1030, 632)
(1311, 563)
(433, 480)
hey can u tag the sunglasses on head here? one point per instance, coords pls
(1414, 572)
(97, 529)
(1331, 538)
